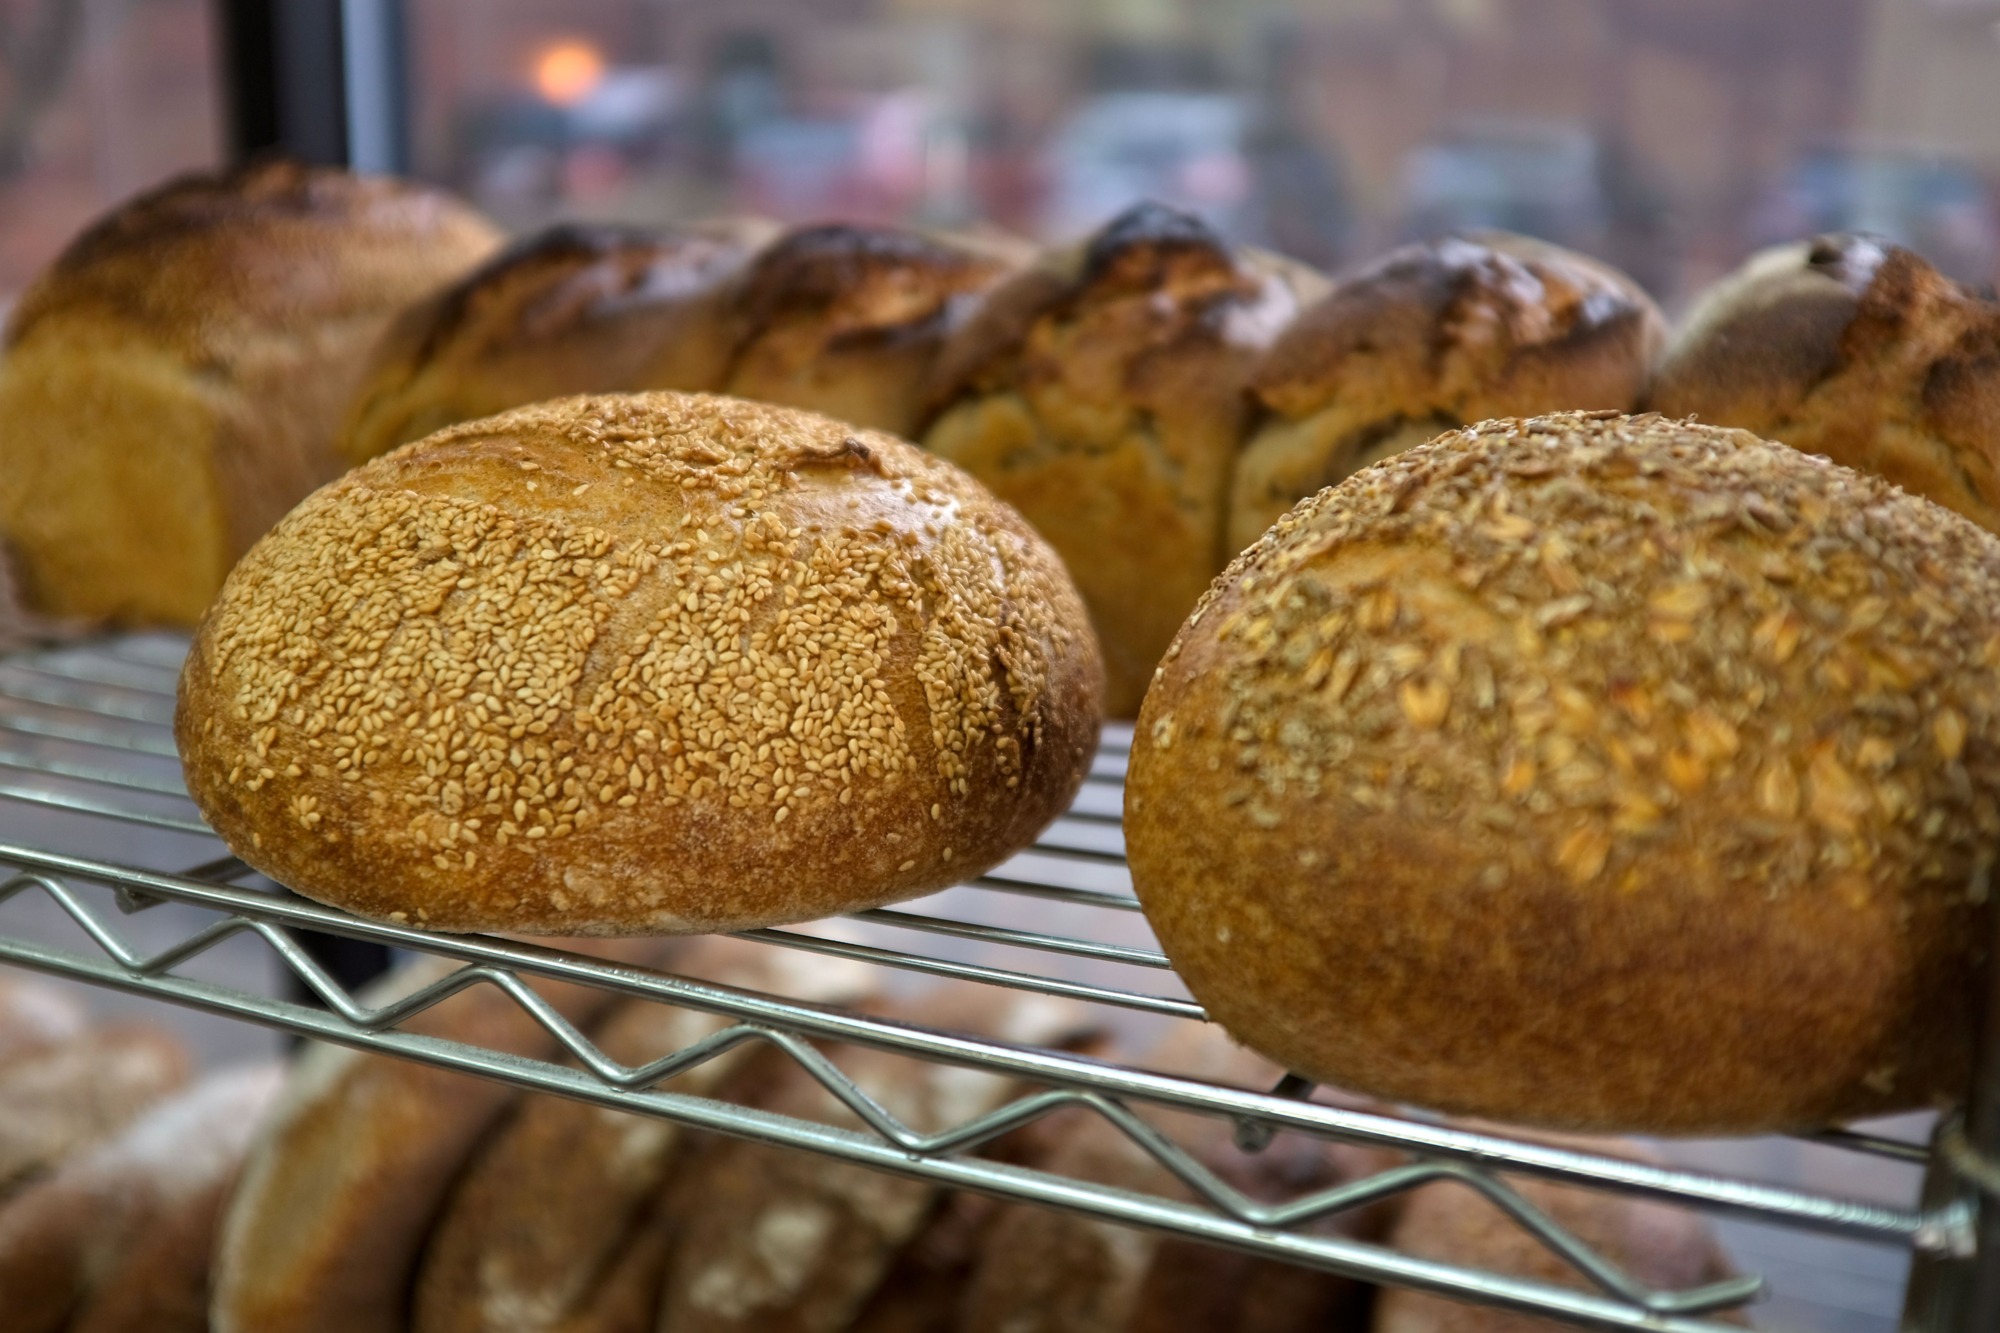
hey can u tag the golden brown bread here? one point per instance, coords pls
(1591, 771)
(324, 1231)
(1101, 393)
(35, 1016)
(58, 1099)
(558, 1200)
(847, 320)
(1047, 1271)
(574, 309)
(118, 1239)
(782, 1241)
(173, 382)
(1431, 336)
(1855, 349)
(1661, 1246)
(657, 663)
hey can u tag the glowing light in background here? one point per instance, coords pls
(568, 71)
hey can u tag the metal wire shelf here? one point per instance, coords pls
(83, 733)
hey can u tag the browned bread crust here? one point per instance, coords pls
(1431, 336)
(656, 664)
(34, 1017)
(847, 320)
(782, 1241)
(1591, 771)
(58, 1099)
(573, 309)
(543, 1230)
(1661, 1246)
(172, 384)
(118, 1239)
(1102, 394)
(1854, 349)
(1049, 1271)
(345, 1179)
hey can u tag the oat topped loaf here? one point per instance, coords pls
(1102, 393)
(573, 309)
(172, 384)
(639, 663)
(1435, 335)
(1592, 771)
(1856, 349)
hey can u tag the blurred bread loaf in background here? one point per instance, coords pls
(172, 384)
(848, 320)
(1855, 349)
(1434, 335)
(573, 309)
(1101, 393)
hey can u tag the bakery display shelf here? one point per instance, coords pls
(85, 736)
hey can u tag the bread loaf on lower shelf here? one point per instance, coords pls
(58, 1099)
(553, 1227)
(343, 1185)
(791, 1242)
(1660, 1246)
(119, 1238)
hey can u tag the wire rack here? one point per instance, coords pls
(86, 747)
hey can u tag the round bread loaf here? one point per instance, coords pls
(1856, 349)
(1431, 336)
(645, 664)
(848, 320)
(173, 383)
(1662, 1247)
(1588, 771)
(1102, 394)
(571, 310)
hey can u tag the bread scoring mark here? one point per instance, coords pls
(1617, 619)
(456, 653)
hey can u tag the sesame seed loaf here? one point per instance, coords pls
(1431, 336)
(573, 309)
(847, 320)
(173, 382)
(645, 664)
(1590, 771)
(1855, 349)
(1101, 393)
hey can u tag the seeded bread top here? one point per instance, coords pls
(1579, 621)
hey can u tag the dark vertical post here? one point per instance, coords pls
(323, 81)
(1955, 1282)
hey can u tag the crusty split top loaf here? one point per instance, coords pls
(653, 663)
(1431, 336)
(173, 383)
(1858, 350)
(1602, 772)
(1102, 393)
(847, 320)
(574, 309)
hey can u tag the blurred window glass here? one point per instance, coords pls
(1669, 136)
(98, 100)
